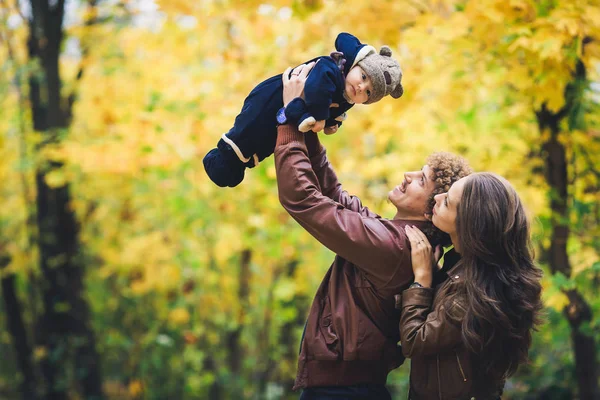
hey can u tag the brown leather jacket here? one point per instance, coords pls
(351, 334)
(441, 366)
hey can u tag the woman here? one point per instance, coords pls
(466, 336)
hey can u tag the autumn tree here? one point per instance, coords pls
(202, 292)
(62, 331)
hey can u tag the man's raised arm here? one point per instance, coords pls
(365, 240)
(328, 184)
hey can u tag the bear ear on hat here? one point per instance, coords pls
(397, 92)
(385, 51)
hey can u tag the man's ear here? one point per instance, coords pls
(428, 216)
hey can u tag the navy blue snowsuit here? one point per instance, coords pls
(255, 129)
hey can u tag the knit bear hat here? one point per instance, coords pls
(385, 74)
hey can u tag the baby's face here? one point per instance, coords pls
(358, 85)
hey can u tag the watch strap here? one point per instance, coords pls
(295, 110)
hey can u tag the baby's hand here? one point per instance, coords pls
(330, 130)
(319, 125)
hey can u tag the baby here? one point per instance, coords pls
(354, 74)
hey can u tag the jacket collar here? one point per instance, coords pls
(456, 273)
(418, 223)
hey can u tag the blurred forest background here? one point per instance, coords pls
(127, 274)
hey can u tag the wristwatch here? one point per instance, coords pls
(292, 112)
(415, 285)
(281, 118)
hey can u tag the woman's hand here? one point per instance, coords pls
(293, 86)
(422, 255)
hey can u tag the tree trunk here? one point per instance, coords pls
(586, 366)
(289, 340)
(236, 351)
(263, 375)
(556, 173)
(16, 328)
(215, 391)
(65, 324)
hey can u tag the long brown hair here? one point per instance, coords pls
(502, 289)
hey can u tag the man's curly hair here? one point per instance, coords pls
(446, 168)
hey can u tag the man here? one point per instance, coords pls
(350, 341)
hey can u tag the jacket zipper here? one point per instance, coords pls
(462, 372)
(460, 367)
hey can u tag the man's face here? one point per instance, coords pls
(411, 196)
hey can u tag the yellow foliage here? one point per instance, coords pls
(40, 352)
(558, 301)
(228, 243)
(153, 101)
(136, 388)
(179, 316)
(582, 258)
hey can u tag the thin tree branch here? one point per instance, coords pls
(18, 10)
(92, 19)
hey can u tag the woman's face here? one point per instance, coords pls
(446, 204)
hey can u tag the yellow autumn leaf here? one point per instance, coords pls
(40, 352)
(135, 388)
(56, 178)
(179, 316)
(558, 301)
